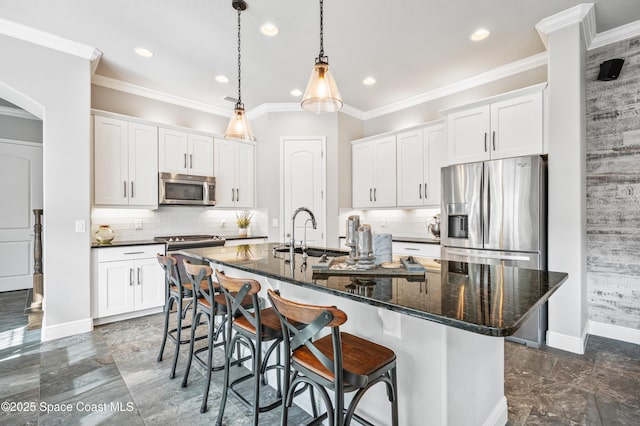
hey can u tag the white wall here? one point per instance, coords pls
(56, 87)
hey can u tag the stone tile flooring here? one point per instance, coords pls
(111, 376)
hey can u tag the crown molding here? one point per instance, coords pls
(526, 64)
(111, 83)
(614, 35)
(17, 112)
(42, 38)
(581, 14)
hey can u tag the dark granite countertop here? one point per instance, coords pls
(117, 243)
(484, 299)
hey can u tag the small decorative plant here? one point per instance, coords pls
(243, 220)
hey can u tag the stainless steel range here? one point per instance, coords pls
(180, 242)
(176, 243)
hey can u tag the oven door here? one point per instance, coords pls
(175, 189)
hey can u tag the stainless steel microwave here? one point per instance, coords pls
(186, 190)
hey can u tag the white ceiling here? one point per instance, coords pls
(409, 46)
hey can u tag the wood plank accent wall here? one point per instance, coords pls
(613, 187)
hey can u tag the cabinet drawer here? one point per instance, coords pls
(109, 254)
(416, 249)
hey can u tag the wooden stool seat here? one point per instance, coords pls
(270, 324)
(359, 356)
(338, 361)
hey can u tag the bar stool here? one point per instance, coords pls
(252, 327)
(176, 293)
(208, 303)
(338, 361)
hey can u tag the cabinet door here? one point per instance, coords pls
(245, 175)
(468, 135)
(173, 151)
(516, 127)
(115, 287)
(436, 158)
(384, 191)
(362, 159)
(410, 165)
(110, 168)
(200, 155)
(224, 171)
(143, 165)
(149, 284)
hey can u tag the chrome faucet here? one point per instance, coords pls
(292, 243)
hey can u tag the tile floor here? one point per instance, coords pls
(111, 376)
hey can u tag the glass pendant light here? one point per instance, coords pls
(238, 127)
(322, 94)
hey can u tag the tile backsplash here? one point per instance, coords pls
(397, 222)
(172, 220)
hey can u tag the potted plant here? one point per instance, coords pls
(243, 220)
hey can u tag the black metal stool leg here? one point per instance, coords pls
(210, 335)
(167, 309)
(225, 384)
(194, 322)
(178, 338)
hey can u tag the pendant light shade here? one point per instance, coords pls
(322, 94)
(238, 127)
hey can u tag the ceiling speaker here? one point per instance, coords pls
(610, 70)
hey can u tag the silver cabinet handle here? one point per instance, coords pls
(374, 194)
(131, 277)
(134, 252)
(233, 194)
(485, 141)
(237, 194)
(494, 140)
(411, 249)
(139, 280)
(425, 190)
(185, 160)
(191, 161)
(420, 191)
(132, 189)
(124, 186)
(370, 194)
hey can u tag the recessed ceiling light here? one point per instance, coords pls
(480, 34)
(269, 29)
(369, 81)
(145, 53)
(295, 92)
(222, 79)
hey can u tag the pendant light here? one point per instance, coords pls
(238, 127)
(322, 94)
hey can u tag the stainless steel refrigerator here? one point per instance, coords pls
(494, 212)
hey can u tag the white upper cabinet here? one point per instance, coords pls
(234, 167)
(508, 125)
(374, 173)
(420, 155)
(125, 163)
(185, 153)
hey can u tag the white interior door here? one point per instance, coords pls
(304, 186)
(21, 192)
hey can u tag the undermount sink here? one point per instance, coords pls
(314, 251)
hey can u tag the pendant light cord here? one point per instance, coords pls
(239, 103)
(321, 55)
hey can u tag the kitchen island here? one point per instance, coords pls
(446, 326)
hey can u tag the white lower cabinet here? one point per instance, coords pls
(416, 249)
(127, 280)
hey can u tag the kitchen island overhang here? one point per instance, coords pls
(451, 366)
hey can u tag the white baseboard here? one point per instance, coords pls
(128, 315)
(499, 415)
(568, 343)
(616, 332)
(57, 331)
